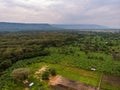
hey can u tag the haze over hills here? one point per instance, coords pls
(7, 26)
(80, 26)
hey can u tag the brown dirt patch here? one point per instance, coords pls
(26, 88)
(40, 71)
(111, 80)
(61, 83)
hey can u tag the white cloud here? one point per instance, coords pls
(61, 11)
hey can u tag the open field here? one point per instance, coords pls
(81, 75)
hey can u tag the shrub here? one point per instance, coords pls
(20, 74)
(53, 72)
(45, 75)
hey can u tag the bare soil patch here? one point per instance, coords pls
(40, 71)
(61, 83)
(111, 80)
(26, 88)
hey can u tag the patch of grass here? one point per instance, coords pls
(108, 87)
(80, 75)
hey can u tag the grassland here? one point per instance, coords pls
(81, 75)
(88, 77)
(67, 71)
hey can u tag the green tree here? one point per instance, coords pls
(53, 72)
(20, 74)
(5, 64)
(45, 75)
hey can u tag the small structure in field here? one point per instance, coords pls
(26, 82)
(31, 84)
(93, 69)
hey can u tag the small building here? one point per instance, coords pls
(31, 84)
(93, 69)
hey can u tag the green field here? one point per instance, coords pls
(81, 75)
(88, 77)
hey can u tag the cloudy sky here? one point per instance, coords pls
(102, 12)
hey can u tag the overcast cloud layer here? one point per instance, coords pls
(102, 12)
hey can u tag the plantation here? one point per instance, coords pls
(72, 54)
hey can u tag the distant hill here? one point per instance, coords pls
(79, 26)
(5, 26)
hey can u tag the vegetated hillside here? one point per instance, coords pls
(82, 50)
(80, 26)
(5, 26)
(15, 46)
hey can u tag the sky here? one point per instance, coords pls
(101, 12)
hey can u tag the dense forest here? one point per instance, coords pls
(80, 49)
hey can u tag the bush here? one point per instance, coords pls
(53, 72)
(45, 75)
(20, 74)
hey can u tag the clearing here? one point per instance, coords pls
(64, 83)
